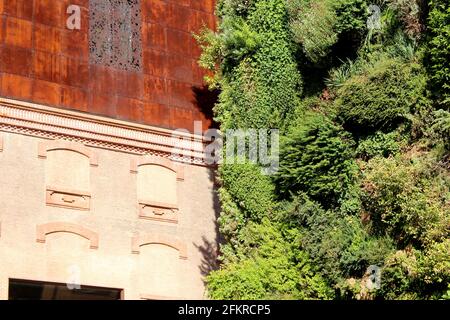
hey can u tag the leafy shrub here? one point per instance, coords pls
(318, 24)
(235, 41)
(441, 127)
(434, 265)
(227, 8)
(351, 15)
(439, 48)
(407, 199)
(338, 243)
(249, 188)
(313, 27)
(398, 276)
(271, 268)
(417, 274)
(409, 13)
(379, 144)
(381, 96)
(316, 158)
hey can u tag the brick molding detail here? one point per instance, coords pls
(44, 229)
(158, 211)
(100, 132)
(157, 161)
(68, 198)
(52, 145)
(162, 239)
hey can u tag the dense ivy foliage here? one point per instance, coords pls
(271, 267)
(247, 195)
(439, 48)
(259, 78)
(364, 176)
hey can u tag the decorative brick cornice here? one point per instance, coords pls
(44, 229)
(158, 161)
(170, 241)
(53, 123)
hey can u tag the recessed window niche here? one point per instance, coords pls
(157, 188)
(67, 173)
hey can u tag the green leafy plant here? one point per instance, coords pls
(313, 27)
(272, 267)
(379, 144)
(339, 243)
(335, 207)
(406, 199)
(438, 50)
(441, 127)
(381, 95)
(316, 158)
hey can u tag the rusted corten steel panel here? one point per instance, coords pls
(133, 60)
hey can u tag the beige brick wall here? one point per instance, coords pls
(158, 269)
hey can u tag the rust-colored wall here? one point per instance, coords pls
(44, 62)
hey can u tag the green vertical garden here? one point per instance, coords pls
(360, 91)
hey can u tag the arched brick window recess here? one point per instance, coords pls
(53, 145)
(157, 161)
(67, 173)
(161, 239)
(157, 187)
(44, 229)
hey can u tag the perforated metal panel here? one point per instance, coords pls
(115, 33)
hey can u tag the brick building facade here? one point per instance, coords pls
(97, 188)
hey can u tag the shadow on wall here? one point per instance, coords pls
(210, 249)
(205, 100)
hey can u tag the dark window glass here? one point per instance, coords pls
(35, 290)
